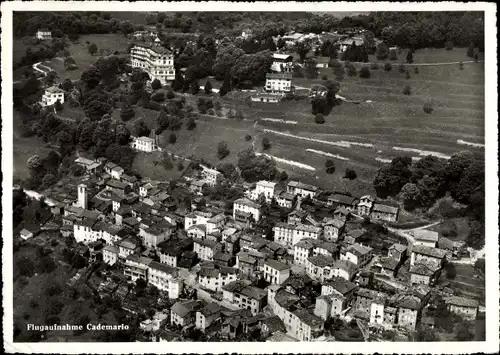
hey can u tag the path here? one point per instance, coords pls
(35, 67)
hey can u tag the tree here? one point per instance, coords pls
(226, 86)
(49, 180)
(463, 333)
(425, 334)
(266, 144)
(167, 161)
(67, 84)
(382, 51)
(338, 69)
(364, 72)
(407, 75)
(415, 70)
(410, 194)
(302, 49)
(319, 118)
(329, 166)
(480, 265)
(471, 178)
(387, 66)
(350, 174)
(409, 57)
(393, 55)
(448, 45)
(172, 138)
(222, 150)
(195, 87)
(141, 129)
(127, 112)
(156, 84)
(392, 177)
(470, 51)
(93, 48)
(428, 108)
(91, 77)
(461, 66)
(58, 106)
(254, 168)
(191, 124)
(208, 87)
(180, 166)
(310, 69)
(407, 90)
(351, 69)
(122, 136)
(283, 176)
(248, 137)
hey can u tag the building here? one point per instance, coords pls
(302, 251)
(127, 247)
(285, 199)
(155, 60)
(357, 254)
(165, 278)
(276, 272)
(183, 313)
(278, 82)
(344, 268)
(25, 234)
(245, 209)
(43, 34)
(425, 237)
(282, 63)
(136, 267)
(423, 274)
(384, 212)
(365, 205)
(322, 62)
(333, 228)
(265, 188)
(154, 235)
(208, 315)
(196, 218)
(206, 249)
(319, 267)
(433, 257)
(465, 307)
(215, 279)
(52, 95)
(244, 296)
(398, 251)
(300, 189)
(348, 202)
(267, 98)
(144, 144)
(110, 254)
(211, 176)
(409, 308)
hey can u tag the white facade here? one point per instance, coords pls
(282, 63)
(84, 234)
(165, 281)
(196, 218)
(275, 272)
(265, 188)
(82, 196)
(211, 176)
(43, 34)
(283, 234)
(110, 254)
(144, 144)
(247, 206)
(280, 83)
(216, 281)
(157, 61)
(51, 96)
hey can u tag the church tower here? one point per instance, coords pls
(82, 196)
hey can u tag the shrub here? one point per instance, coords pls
(402, 68)
(448, 45)
(387, 66)
(248, 137)
(460, 66)
(350, 174)
(319, 118)
(374, 66)
(172, 138)
(470, 51)
(266, 144)
(428, 108)
(180, 166)
(407, 90)
(407, 75)
(329, 166)
(158, 96)
(222, 150)
(170, 94)
(415, 70)
(351, 69)
(324, 77)
(364, 72)
(156, 84)
(393, 55)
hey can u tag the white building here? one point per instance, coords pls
(144, 144)
(276, 272)
(110, 254)
(197, 218)
(155, 60)
(206, 249)
(215, 279)
(357, 254)
(52, 95)
(425, 237)
(282, 63)
(211, 176)
(300, 189)
(278, 82)
(265, 188)
(43, 34)
(165, 279)
(243, 208)
(82, 196)
(302, 251)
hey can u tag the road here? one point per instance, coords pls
(405, 233)
(36, 67)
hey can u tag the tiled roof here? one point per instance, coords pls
(321, 260)
(399, 247)
(377, 207)
(421, 269)
(308, 318)
(247, 202)
(342, 199)
(283, 76)
(461, 301)
(426, 235)
(300, 185)
(429, 251)
(276, 265)
(342, 285)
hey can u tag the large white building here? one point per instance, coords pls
(52, 95)
(278, 82)
(155, 60)
(243, 208)
(165, 279)
(144, 144)
(276, 272)
(211, 176)
(282, 63)
(290, 234)
(265, 188)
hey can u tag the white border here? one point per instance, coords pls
(491, 98)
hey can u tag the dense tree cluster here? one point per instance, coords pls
(255, 167)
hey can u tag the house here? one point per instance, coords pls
(272, 325)
(398, 251)
(165, 278)
(365, 205)
(214, 279)
(385, 212)
(423, 274)
(425, 237)
(357, 254)
(117, 186)
(322, 62)
(117, 172)
(206, 249)
(319, 267)
(244, 296)
(144, 144)
(285, 199)
(348, 202)
(216, 223)
(278, 82)
(276, 272)
(300, 189)
(333, 229)
(198, 231)
(245, 209)
(196, 218)
(110, 254)
(336, 297)
(170, 251)
(247, 264)
(183, 313)
(155, 60)
(302, 251)
(388, 267)
(363, 301)
(136, 267)
(301, 231)
(265, 188)
(433, 257)
(353, 235)
(158, 321)
(25, 234)
(156, 234)
(326, 248)
(52, 95)
(208, 315)
(344, 268)
(127, 247)
(267, 98)
(211, 176)
(465, 307)
(282, 63)
(341, 213)
(409, 308)
(43, 34)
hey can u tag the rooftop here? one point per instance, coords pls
(461, 301)
(377, 207)
(426, 235)
(429, 251)
(276, 265)
(342, 199)
(321, 260)
(300, 185)
(247, 202)
(282, 76)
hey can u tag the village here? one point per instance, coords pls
(209, 256)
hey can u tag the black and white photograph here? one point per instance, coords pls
(230, 173)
